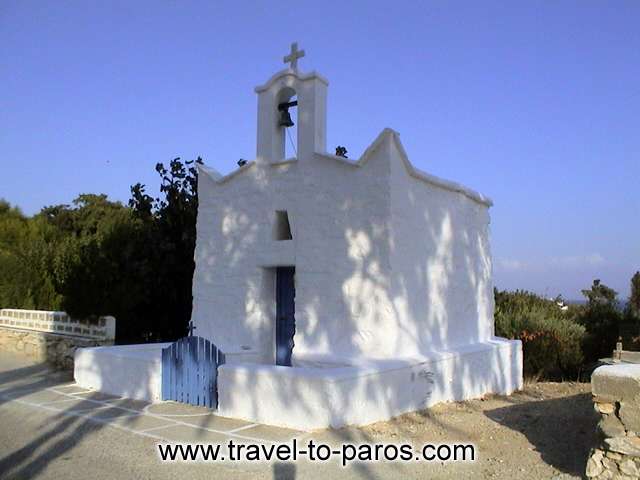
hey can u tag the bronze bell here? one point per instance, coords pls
(285, 118)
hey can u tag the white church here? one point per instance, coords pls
(340, 291)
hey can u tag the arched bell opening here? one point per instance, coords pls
(287, 121)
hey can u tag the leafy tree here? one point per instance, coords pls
(25, 256)
(176, 217)
(634, 299)
(630, 325)
(601, 318)
(170, 226)
(600, 294)
(97, 257)
(135, 263)
(92, 264)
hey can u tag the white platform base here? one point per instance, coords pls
(318, 392)
(132, 371)
(367, 391)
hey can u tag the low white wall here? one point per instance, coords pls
(103, 328)
(52, 337)
(320, 391)
(132, 371)
(367, 391)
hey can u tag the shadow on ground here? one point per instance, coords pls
(562, 430)
(24, 378)
(55, 439)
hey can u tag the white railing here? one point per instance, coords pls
(103, 328)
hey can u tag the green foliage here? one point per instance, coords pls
(93, 266)
(98, 257)
(600, 294)
(559, 342)
(601, 318)
(632, 311)
(170, 227)
(25, 253)
(634, 298)
(551, 339)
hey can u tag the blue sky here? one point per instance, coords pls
(536, 104)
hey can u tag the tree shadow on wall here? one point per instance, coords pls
(562, 430)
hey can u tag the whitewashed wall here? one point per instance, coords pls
(330, 209)
(368, 391)
(387, 265)
(441, 258)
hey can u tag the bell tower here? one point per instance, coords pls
(274, 98)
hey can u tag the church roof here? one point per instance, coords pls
(387, 133)
(413, 171)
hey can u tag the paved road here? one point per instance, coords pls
(51, 428)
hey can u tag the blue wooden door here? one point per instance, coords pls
(190, 372)
(285, 314)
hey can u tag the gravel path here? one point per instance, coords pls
(545, 431)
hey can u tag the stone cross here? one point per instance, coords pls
(293, 57)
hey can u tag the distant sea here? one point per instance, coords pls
(575, 302)
(622, 304)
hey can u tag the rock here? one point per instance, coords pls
(594, 466)
(610, 426)
(628, 467)
(630, 415)
(614, 456)
(604, 408)
(610, 465)
(620, 381)
(605, 475)
(624, 445)
(62, 347)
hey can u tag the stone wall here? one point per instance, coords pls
(616, 396)
(51, 337)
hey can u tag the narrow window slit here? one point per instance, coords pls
(282, 228)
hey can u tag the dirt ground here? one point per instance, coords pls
(545, 431)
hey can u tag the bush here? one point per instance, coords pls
(602, 320)
(551, 338)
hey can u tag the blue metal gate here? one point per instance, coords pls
(190, 371)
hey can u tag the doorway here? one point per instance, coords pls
(285, 314)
